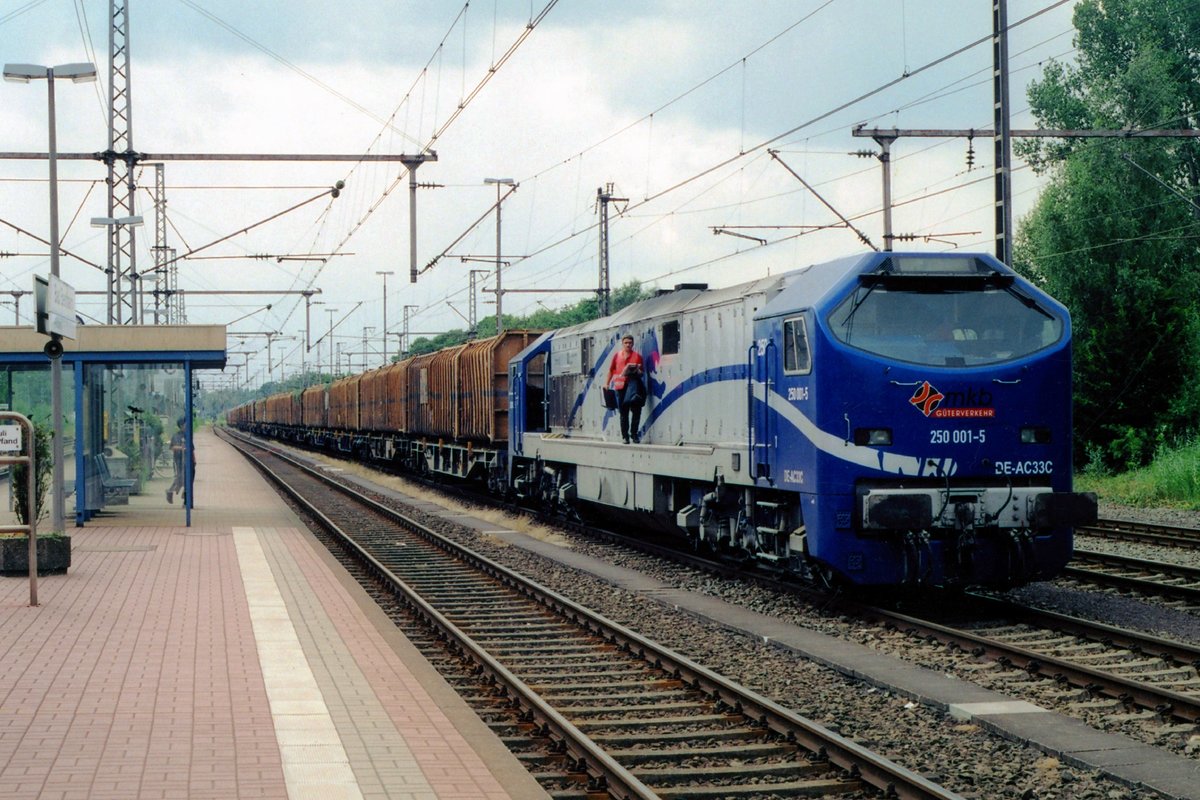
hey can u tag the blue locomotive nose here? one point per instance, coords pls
(938, 435)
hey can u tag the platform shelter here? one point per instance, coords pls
(126, 391)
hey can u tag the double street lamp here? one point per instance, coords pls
(78, 73)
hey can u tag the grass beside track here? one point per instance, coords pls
(1171, 481)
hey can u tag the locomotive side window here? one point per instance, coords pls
(670, 337)
(952, 327)
(797, 360)
(585, 357)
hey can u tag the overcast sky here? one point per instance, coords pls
(674, 103)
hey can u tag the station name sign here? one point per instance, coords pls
(10, 439)
(55, 306)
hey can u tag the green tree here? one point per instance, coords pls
(1107, 238)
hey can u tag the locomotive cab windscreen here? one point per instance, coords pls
(943, 312)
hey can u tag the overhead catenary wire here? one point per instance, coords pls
(765, 144)
(682, 208)
(577, 157)
(240, 231)
(438, 132)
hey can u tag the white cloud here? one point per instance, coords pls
(564, 116)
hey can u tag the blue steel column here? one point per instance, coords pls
(187, 453)
(80, 462)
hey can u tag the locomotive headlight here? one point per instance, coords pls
(1035, 435)
(879, 437)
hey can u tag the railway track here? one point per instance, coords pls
(1154, 674)
(636, 719)
(1151, 673)
(1168, 535)
(1135, 668)
(1173, 582)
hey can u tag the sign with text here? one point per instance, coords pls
(10, 439)
(55, 306)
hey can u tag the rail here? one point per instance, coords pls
(607, 768)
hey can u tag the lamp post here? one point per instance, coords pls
(78, 73)
(385, 276)
(17, 294)
(499, 291)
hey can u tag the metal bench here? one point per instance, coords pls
(116, 490)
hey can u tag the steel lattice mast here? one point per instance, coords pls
(121, 159)
(161, 279)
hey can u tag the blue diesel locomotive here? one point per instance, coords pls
(883, 420)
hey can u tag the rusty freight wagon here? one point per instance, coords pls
(344, 404)
(483, 386)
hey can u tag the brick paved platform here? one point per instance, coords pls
(230, 659)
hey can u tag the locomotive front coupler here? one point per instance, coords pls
(888, 508)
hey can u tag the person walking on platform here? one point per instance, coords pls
(178, 446)
(625, 376)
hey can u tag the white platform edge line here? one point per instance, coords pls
(286, 671)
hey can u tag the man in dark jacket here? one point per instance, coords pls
(178, 446)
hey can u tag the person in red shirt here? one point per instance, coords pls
(625, 378)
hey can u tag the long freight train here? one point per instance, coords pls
(883, 420)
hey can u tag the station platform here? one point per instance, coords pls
(230, 659)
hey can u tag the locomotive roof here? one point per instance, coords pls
(804, 287)
(678, 301)
(808, 285)
(816, 285)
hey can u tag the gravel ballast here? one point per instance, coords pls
(963, 757)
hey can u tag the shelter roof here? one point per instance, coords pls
(202, 345)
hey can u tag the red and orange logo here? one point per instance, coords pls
(926, 398)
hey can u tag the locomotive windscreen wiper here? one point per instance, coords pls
(850, 314)
(1028, 301)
